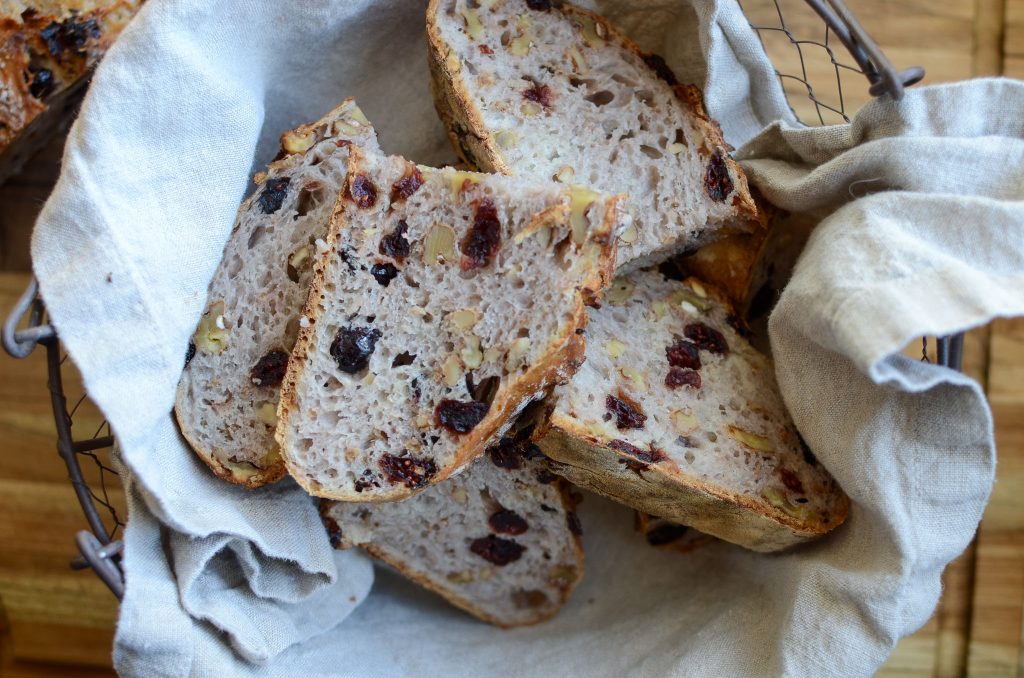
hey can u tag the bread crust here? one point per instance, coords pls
(477, 146)
(561, 359)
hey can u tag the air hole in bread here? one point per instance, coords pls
(623, 80)
(308, 200)
(650, 151)
(256, 236)
(601, 98)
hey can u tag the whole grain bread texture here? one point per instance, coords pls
(226, 401)
(675, 414)
(550, 90)
(498, 540)
(444, 303)
(47, 49)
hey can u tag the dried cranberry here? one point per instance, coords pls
(407, 184)
(366, 481)
(679, 376)
(352, 348)
(332, 527)
(540, 94)
(628, 413)
(573, 521)
(496, 550)
(706, 338)
(273, 194)
(791, 481)
(485, 50)
(507, 521)
(384, 273)
(683, 353)
(458, 416)
(666, 534)
(42, 83)
(270, 369)
(402, 359)
(661, 69)
(505, 454)
(412, 472)
(717, 181)
(651, 456)
(539, 5)
(190, 353)
(362, 191)
(483, 238)
(394, 244)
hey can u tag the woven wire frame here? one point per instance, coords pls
(838, 107)
(100, 546)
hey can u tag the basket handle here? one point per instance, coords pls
(882, 75)
(20, 343)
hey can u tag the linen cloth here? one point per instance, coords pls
(922, 231)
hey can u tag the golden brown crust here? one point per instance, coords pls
(45, 55)
(561, 359)
(675, 495)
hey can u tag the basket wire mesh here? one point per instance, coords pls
(100, 547)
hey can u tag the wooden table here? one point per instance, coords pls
(58, 621)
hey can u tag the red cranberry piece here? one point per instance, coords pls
(717, 181)
(270, 369)
(352, 348)
(407, 184)
(678, 376)
(43, 83)
(683, 353)
(706, 338)
(362, 191)
(540, 94)
(504, 454)
(496, 550)
(413, 472)
(791, 481)
(458, 416)
(507, 521)
(394, 244)
(651, 456)
(483, 238)
(273, 194)
(628, 413)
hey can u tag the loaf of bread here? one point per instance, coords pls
(443, 304)
(47, 48)
(499, 540)
(548, 90)
(675, 414)
(227, 398)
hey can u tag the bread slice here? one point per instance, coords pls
(498, 540)
(550, 90)
(227, 397)
(675, 414)
(47, 50)
(445, 303)
(669, 536)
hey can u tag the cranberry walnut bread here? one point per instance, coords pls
(498, 540)
(46, 50)
(446, 302)
(675, 414)
(531, 88)
(227, 398)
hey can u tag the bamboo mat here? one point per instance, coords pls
(55, 621)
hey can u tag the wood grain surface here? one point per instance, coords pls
(55, 621)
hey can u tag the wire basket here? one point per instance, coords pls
(812, 32)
